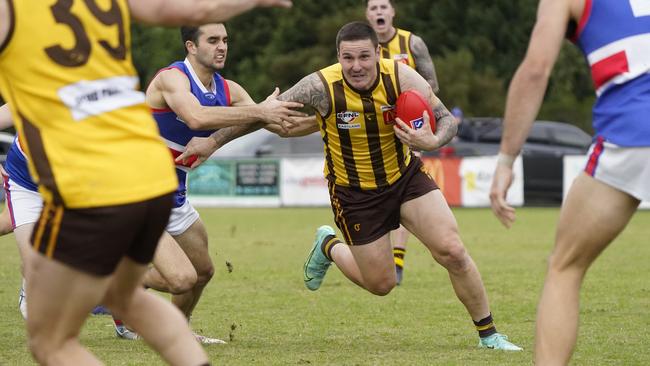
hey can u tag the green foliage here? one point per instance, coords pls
(477, 92)
(476, 46)
(277, 321)
(155, 48)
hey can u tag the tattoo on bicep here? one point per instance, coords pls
(446, 126)
(423, 62)
(309, 91)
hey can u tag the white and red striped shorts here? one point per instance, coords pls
(624, 168)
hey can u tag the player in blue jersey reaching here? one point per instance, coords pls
(610, 33)
(189, 99)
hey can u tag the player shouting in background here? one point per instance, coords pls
(614, 35)
(403, 46)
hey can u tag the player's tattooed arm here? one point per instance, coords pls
(424, 64)
(203, 147)
(309, 91)
(446, 124)
(225, 135)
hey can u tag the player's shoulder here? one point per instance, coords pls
(170, 77)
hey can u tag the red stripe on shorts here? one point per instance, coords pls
(592, 164)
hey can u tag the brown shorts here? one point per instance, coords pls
(94, 240)
(364, 216)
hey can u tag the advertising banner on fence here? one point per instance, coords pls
(446, 174)
(250, 182)
(476, 179)
(573, 165)
(303, 183)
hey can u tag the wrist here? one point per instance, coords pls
(216, 139)
(506, 160)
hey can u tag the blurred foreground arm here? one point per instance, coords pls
(5, 117)
(195, 12)
(525, 97)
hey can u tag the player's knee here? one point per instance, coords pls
(383, 287)
(204, 274)
(38, 351)
(454, 256)
(40, 344)
(182, 281)
(564, 262)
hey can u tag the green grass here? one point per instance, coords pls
(277, 321)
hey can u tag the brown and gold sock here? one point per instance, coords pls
(485, 326)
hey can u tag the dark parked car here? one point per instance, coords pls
(542, 153)
(481, 136)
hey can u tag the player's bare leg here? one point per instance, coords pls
(194, 242)
(61, 299)
(172, 271)
(374, 263)
(5, 221)
(143, 311)
(585, 228)
(446, 247)
(22, 234)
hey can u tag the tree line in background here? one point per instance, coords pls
(476, 46)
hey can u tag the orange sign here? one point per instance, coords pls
(446, 173)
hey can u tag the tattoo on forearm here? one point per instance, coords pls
(309, 91)
(225, 135)
(423, 62)
(446, 126)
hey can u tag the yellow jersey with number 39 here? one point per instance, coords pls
(67, 74)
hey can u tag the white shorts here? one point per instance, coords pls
(181, 219)
(25, 206)
(624, 168)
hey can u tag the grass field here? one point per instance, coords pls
(263, 308)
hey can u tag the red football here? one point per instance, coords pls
(409, 108)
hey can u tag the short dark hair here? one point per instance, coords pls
(189, 34)
(389, 1)
(356, 31)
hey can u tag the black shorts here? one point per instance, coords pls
(94, 240)
(364, 216)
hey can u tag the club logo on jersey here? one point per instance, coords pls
(388, 112)
(344, 119)
(209, 96)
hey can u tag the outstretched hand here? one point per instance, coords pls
(279, 112)
(500, 184)
(198, 150)
(421, 139)
(278, 3)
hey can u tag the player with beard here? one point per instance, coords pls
(189, 99)
(374, 181)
